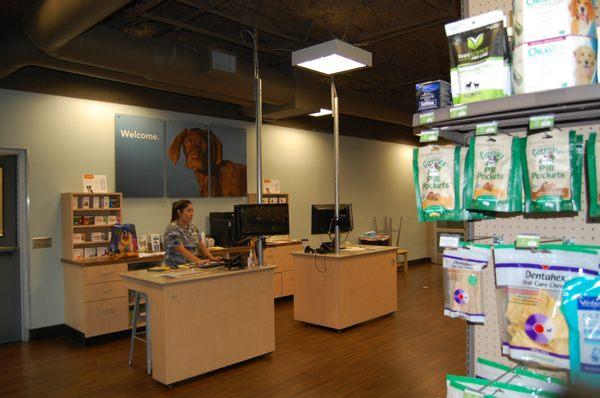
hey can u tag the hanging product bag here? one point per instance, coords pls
(593, 165)
(466, 214)
(552, 165)
(463, 387)
(533, 328)
(494, 174)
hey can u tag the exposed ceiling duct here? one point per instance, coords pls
(110, 54)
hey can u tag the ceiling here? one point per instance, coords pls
(406, 37)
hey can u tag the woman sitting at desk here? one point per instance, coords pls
(181, 238)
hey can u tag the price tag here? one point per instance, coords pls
(426, 118)
(449, 241)
(429, 136)
(458, 111)
(486, 128)
(541, 122)
(527, 241)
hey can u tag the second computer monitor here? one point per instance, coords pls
(323, 219)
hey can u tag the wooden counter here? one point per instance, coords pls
(207, 319)
(339, 291)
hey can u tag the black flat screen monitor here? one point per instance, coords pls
(323, 219)
(222, 229)
(262, 220)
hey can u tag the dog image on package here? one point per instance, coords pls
(535, 20)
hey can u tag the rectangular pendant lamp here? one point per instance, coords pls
(331, 57)
(322, 112)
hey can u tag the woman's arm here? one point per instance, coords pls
(191, 257)
(205, 252)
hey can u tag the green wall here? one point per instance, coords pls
(66, 137)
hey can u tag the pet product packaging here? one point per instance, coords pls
(490, 370)
(560, 62)
(123, 241)
(494, 174)
(463, 387)
(89, 252)
(436, 177)
(593, 165)
(533, 328)
(464, 214)
(535, 20)
(552, 165)
(462, 281)
(433, 95)
(581, 306)
(479, 58)
(78, 253)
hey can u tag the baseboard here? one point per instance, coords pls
(417, 261)
(47, 332)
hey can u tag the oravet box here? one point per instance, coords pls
(433, 95)
(535, 20)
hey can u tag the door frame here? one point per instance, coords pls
(23, 241)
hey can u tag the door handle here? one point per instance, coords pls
(8, 249)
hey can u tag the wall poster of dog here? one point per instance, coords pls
(205, 161)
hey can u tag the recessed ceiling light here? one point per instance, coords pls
(332, 57)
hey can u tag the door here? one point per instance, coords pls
(10, 280)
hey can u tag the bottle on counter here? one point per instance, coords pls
(203, 238)
(251, 259)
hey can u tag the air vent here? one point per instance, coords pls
(223, 62)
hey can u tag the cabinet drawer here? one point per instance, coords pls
(105, 290)
(287, 283)
(106, 316)
(277, 285)
(103, 273)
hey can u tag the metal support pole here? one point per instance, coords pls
(258, 121)
(336, 148)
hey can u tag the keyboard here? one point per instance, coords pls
(214, 264)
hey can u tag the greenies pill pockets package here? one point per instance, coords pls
(465, 214)
(553, 171)
(494, 174)
(593, 165)
(468, 387)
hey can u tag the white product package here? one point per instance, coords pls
(489, 370)
(533, 328)
(535, 20)
(462, 282)
(467, 387)
(566, 61)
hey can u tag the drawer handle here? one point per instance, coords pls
(105, 291)
(109, 311)
(106, 273)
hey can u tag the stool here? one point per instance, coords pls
(134, 334)
(404, 253)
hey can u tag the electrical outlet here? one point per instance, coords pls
(42, 243)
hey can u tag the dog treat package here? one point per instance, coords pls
(467, 215)
(494, 174)
(552, 166)
(541, 20)
(593, 165)
(581, 306)
(479, 58)
(462, 281)
(533, 328)
(490, 370)
(565, 61)
(123, 241)
(469, 387)
(436, 178)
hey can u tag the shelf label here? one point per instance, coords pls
(541, 122)
(425, 118)
(527, 241)
(449, 241)
(429, 135)
(458, 111)
(486, 128)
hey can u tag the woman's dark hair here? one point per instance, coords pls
(179, 205)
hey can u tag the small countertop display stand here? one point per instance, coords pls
(341, 290)
(206, 319)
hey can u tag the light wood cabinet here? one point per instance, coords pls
(279, 254)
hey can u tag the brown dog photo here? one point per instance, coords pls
(583, 14)
(585, 65)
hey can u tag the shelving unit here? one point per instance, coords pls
(269, 198)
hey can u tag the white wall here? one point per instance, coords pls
(66, 137)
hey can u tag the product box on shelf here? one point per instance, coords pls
(433, 95)
(143, 243)
(98, 236)
(555, 63)
(78, 253)
(78, 238)
(115, 203)
(96, 202)
(100, 220)
(75, 202)
(105, 202)
(88, 220)
(77, 220)
(85, 202)
(89, 252)
(112, 220)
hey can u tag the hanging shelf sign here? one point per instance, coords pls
(486, 128)
(541, 122)
(426, 118)
(459, 111)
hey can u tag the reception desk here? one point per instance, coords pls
(206, 319)
(338, 291)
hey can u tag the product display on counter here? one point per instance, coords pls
(433, 95)
(469, 387)
(123, 242)
(462, 281)
(520, 376)
(533, 328)
(581, 307)
(479, 58)
(552, 165)
(494, 174)
(436, 180)
(593, 165)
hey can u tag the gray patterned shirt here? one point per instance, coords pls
(175, 236)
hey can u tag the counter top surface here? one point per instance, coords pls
(174, 276)
(352, 251)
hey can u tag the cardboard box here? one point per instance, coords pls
(78, 253)
(89, 252)
(78, 238)
(96, 202)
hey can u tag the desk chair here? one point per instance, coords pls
(134, 334)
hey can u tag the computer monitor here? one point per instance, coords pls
(262, 219)
(323, 217)
(222, 228)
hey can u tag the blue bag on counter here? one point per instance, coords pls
(123, 241)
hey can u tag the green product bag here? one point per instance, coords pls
(552, 169)
(494, 174)
(461, 386)
(437, 182)
(465, 214)
(593, 164)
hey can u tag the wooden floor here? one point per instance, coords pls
(406, 354)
